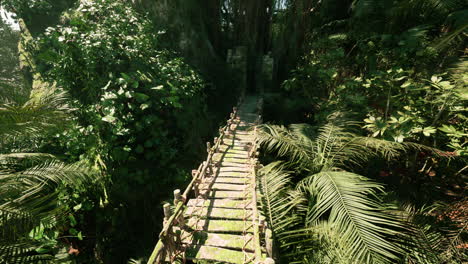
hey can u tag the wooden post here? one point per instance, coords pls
(195, 189)
(252, 152)
(269, 242)
(208, 147)
(167, 211)
(215, 143)
(177, 197)
(209, 170)
(221, 133)
(261, 223)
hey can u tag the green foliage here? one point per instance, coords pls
(25, 124)
(397, 67)
(328, 199)
(433, 237)
(38, 14)
(10, 78)
(387, 77)
(140, 116)
(34, 186)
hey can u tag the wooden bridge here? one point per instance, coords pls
(216, 218)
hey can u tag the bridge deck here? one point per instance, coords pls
(221, 223)
(221, 218)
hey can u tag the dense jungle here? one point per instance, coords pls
(106, 105)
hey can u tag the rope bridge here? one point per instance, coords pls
(220, 223)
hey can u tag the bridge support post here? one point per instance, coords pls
(196, 190)
(261, 223)
(209, 169)
(177, 197)
(208, 147)
(221, 132)
(269, 242)
(167, 211)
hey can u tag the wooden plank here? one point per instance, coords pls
(223, 187)
(208, 253)
(238, 165)
(228, 194)
(220, 203)
(213, 225)
(230, 158)
(244, 160)
(234, 173)
(237, 151)
(231, 168)
(233, 180)
(244, 155)
(235, 143)
(216, 213)
(218, 240)
(224, 148)
(239, 140)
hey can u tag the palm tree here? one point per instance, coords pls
(31, 182)
(331, 215)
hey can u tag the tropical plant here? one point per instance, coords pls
(328, 201)
(26, 121)
(35, 208)
(436, 233)
(139, 107)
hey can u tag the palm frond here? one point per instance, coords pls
(22, 253)
(402, 15)
(277, 198)
(21, 161)
(348, 201)
(458, 23)
(424, 243)
(35, 190)
(14, 224)
(33, 118)
(286, 144)
(321, 243)
(331, 145)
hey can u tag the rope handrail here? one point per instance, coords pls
(157, 255)
(254, 163)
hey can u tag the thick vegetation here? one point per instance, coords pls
(105, 104)
(397, 69)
